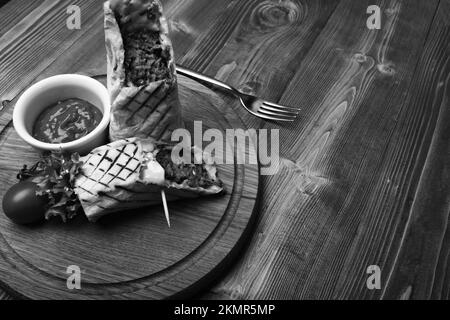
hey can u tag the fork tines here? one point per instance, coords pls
(276, 112)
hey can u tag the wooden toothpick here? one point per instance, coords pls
(166, 209)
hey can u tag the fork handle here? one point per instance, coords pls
(202, 78)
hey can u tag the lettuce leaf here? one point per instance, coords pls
(55, 176)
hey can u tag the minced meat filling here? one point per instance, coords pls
(195, 174)
(146, 60)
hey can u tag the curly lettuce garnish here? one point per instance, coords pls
(55, 176)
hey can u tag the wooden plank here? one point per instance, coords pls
(12, 12)
(27, 48)
(191, 20)
(257, 46)
(422, 268)
(338, 89)
(333, 209)
(4, 296)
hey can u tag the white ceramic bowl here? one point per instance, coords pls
(51, 90)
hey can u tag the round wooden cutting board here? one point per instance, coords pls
(132, 255)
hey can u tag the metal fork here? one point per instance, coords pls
(255, 106)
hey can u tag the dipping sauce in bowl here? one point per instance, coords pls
(62, 108)
(66, 121)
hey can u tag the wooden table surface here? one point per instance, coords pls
(365, 176)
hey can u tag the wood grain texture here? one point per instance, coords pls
(27, 48)
(363, 175)
(132, 254)
(346, 177)
(13, 12)
(5, 296)
(422, 269)
(257, 46)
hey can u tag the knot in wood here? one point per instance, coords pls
(386, 69)
(4, 104)
(269, 15)
(250, 87)
(360, 58)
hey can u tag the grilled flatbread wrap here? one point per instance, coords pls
(130, 173)
(141, 71)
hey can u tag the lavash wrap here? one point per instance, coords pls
(149, 111)
(101, 191)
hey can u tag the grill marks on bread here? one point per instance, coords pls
(114, 167)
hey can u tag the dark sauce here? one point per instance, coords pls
(66, 121)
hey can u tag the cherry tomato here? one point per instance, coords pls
(22, 205)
